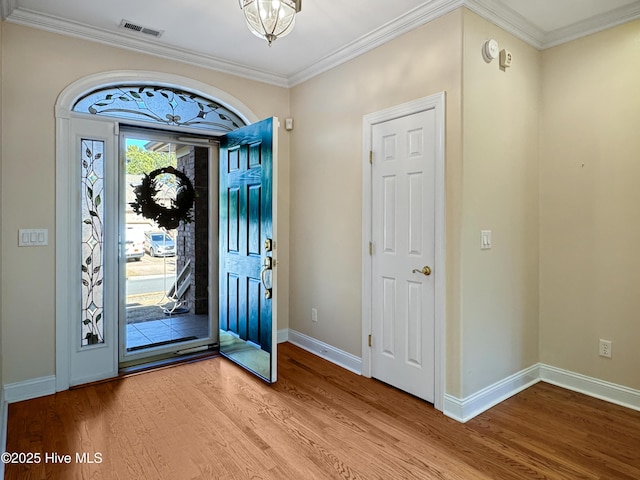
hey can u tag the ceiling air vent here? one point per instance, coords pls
(134, 27)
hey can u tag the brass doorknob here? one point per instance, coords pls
(425, 271)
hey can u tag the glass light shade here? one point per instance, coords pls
(270, 19)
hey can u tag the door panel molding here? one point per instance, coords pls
(437, 104)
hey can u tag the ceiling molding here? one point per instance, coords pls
(502, 16)
(6, 7)
(493, 11)
(592, 25)
(65, 27)
(403, 24)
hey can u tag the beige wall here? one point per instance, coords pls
(492, 297)
(544, 154)
(326, 176)
(590, 205)
(500, 193)
(37, 66)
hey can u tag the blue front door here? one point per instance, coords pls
(247, 326)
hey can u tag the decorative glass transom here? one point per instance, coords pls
(157, 104)
(92, 266)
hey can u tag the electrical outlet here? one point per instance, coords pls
(605, 348)
(314, 314)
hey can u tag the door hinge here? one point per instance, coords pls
(370, 340)
(370, 248)
(371, 157)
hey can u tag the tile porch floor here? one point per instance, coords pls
(164, 329)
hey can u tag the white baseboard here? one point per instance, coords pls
(326, 351)
(38, 387)
(461, 410)
(283, 335)
(610, 392)
(16, 392)
(465, 409)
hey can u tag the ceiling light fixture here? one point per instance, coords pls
(270, 19)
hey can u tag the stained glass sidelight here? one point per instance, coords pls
(159, 104)
(92, 192)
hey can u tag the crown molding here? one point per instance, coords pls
(499, 14)
(6, 7)
(122, 40)
(493, 11)
(403, 24)
(502, 16)
(592, 25)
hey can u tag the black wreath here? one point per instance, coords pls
(180, 210)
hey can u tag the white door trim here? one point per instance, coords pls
(65, 200)
(437, 103)
(67, 235)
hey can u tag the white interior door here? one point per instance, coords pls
(403, 234)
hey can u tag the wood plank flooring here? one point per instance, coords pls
(211, 420)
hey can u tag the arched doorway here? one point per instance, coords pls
(89, 249)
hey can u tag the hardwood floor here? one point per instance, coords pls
(211, 420)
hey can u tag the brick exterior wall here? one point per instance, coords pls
(193, 238)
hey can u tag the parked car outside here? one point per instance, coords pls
(159, 244)
(134, 244)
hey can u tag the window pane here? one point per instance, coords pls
(91, 197)
(157, 104)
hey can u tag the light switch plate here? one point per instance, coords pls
(485, 239)
(33, 237)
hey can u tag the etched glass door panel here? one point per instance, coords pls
(93, 257)
(92, 241)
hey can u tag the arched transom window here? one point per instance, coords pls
(160, 104)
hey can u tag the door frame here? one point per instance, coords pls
(433, 102)
(66, 201)
(151, 354)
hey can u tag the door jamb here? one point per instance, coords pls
(437, 103)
